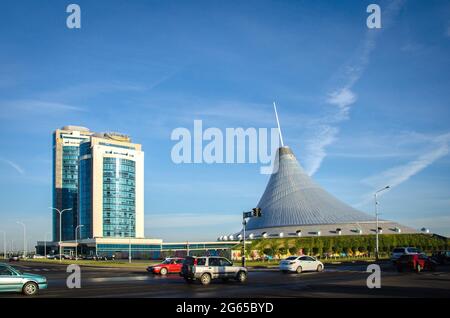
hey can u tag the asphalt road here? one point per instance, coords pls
(335, 281)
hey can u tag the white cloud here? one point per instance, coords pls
(436, 147)
(399, 174)
(15, 166)
(20, 107)
(343, 96)
(315, 147)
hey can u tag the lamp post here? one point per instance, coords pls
(256, 212)
(244, 223)
(76, 240)
(60, 228)
(24, 238)
(12, 247)
(45, 244)
(377, 230)
(4, 244)
(129, 250)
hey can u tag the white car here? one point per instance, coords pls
(300, 264)
(399, 251)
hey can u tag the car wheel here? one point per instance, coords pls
(163, 271)
(418, 268)
(319, 267)
(205, 279)
(30, 289)
(241, 277)
(299, 270)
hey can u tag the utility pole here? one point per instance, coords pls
(4, 244)
(256, 212)
(76, 240)
(377, 230)
(24, 239)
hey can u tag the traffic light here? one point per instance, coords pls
(257, 212)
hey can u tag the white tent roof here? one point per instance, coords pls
(292, 198)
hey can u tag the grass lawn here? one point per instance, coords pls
(275, 263)
(117, 263)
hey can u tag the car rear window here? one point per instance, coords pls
(413, 250)
(291, 258)
(189, 261)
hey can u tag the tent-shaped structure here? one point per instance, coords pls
(293, 204)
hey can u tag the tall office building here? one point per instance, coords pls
(111, 187)
(66, 145)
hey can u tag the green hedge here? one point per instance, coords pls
(348, 244)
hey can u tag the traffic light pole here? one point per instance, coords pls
(244, 223)
(256, 212)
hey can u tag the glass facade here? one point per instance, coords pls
(69, 191)
(85, 192)
(119, 197)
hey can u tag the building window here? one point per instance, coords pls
(119, 178)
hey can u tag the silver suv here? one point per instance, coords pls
(208, 268)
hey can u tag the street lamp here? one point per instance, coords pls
(60, 228)
(129, 249)
(4, 244)
(45, 244)
(24, 238)
(76, 241)
(377, 230)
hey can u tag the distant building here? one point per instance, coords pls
(111, 187)
(66, 146)
(100, 177)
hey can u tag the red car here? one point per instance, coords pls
(170, 265)
(415, 262)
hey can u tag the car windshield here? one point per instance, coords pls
(167, 261)
(291, 258)
(413, 250)
(398, 250)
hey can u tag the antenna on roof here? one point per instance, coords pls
(278, 123)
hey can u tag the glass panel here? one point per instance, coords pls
(119, 197)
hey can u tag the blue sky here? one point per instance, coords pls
(360, 108)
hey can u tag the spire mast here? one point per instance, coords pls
(278, 123)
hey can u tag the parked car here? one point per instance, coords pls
(12, 280)
(415, 262)
(301, 264)
(206, 269)
(37, 256)
(441, 257)
(14, 258)
(399, 251)
(169, 265)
